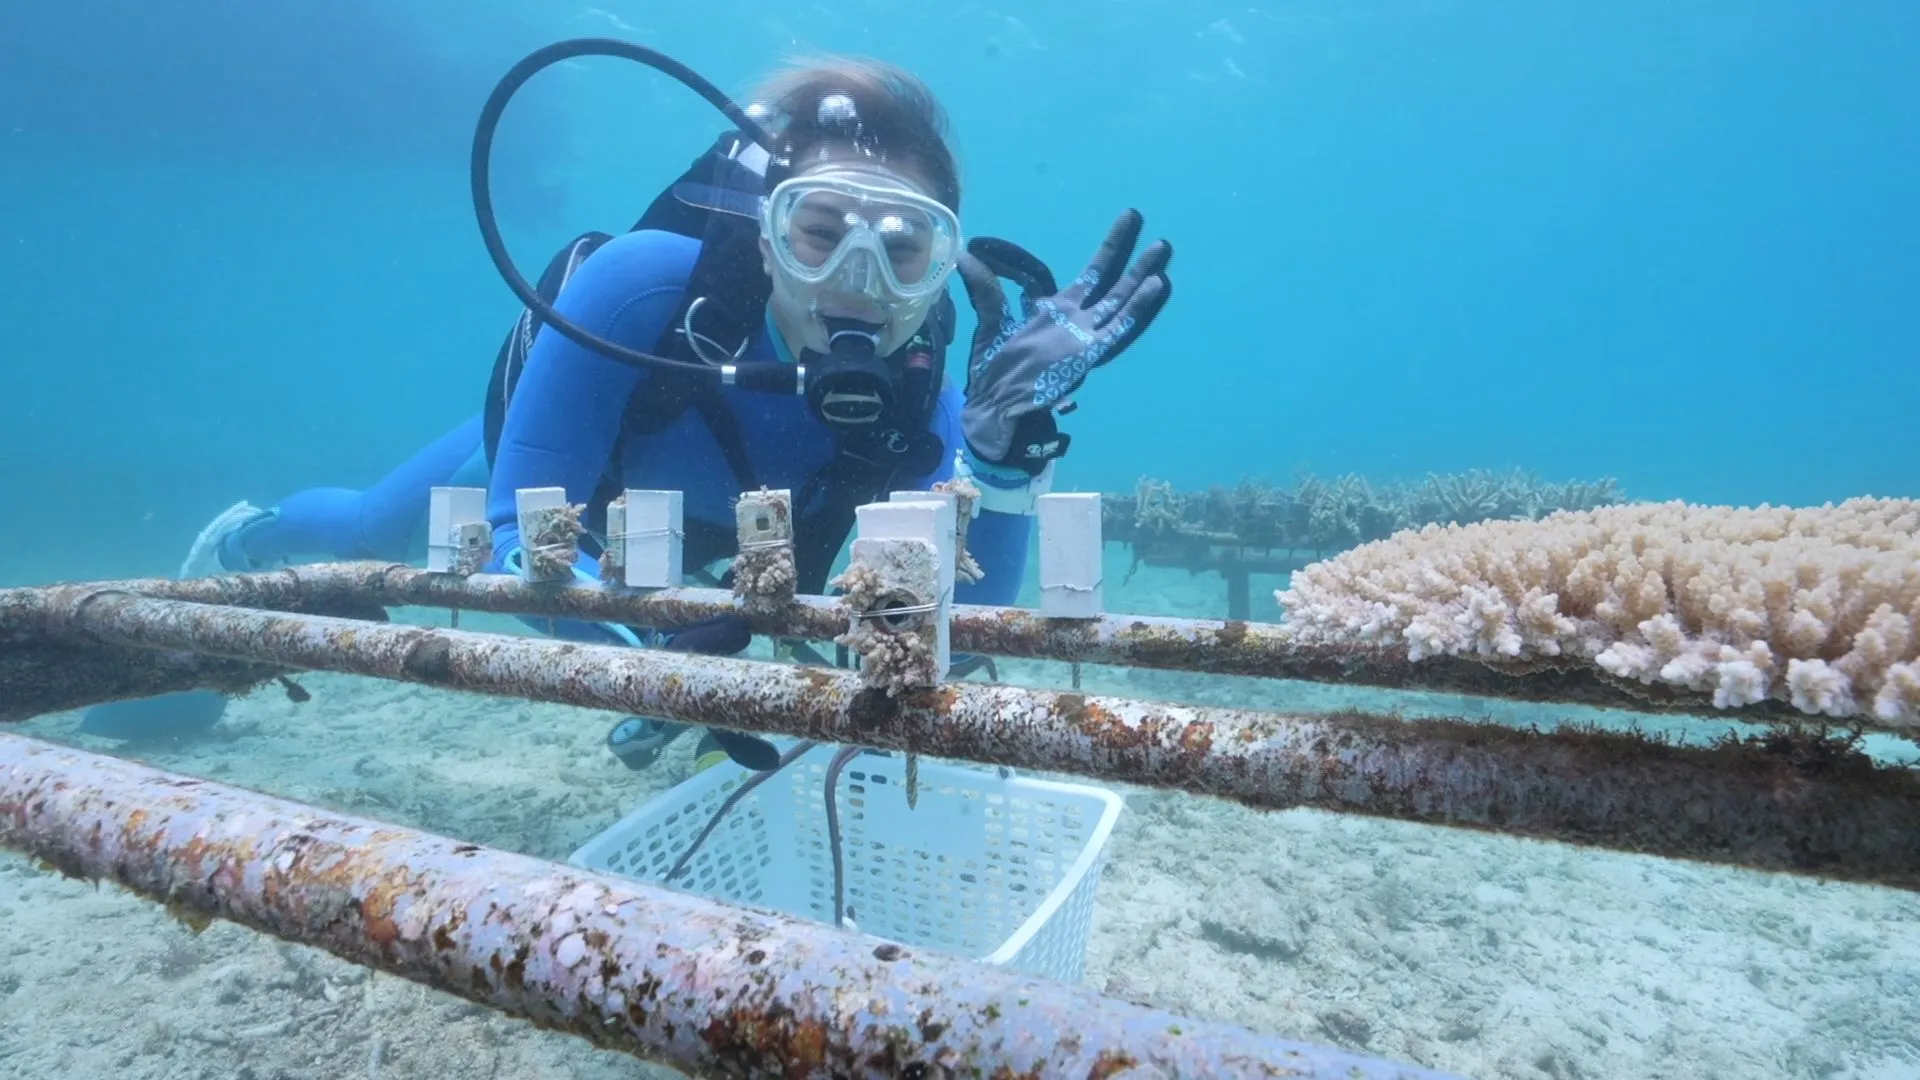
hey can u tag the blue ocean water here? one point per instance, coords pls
(1671, 243)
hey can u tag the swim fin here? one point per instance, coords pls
(747, 751)
(166, 716)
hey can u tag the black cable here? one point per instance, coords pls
(840, 759)
(479, 168)
(846, 754)
(733, 800)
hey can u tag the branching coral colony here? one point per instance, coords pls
(1818, 607)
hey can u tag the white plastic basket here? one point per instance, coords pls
(998, 869)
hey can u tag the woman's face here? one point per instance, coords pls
(814, 231)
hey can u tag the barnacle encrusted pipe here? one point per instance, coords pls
(1782, 804)
(714, 990)
(1150, 641)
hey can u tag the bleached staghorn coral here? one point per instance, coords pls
(966, 499)
(1818, 607)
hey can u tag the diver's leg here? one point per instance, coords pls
(384, 522)
(393, 513)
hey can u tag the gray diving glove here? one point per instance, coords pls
(1026, 366)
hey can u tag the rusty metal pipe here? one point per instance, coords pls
(1199, 645)
(1804, 805)
(710, 989)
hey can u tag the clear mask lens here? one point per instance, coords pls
(864, 238)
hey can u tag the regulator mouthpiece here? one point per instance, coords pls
(850, 387)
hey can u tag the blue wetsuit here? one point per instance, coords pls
(386, 522)
(565, 428)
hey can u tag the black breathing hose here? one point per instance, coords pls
(479, 168)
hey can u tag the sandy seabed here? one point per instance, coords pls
(1483, 955)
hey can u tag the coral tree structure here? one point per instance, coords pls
(1818, 607)
(1327, 515)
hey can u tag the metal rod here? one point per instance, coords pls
(708, 988)
(1809, 805)
(1239, 590)
(1202, 645)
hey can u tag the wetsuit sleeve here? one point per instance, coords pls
(567, 409)
(998, 538)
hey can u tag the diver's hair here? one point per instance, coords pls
(898, 116)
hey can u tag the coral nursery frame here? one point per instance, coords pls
(722, 991)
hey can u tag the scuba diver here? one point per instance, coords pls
(793, 286)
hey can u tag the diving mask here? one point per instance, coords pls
(851, 232)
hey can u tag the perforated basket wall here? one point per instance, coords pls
(1001, 870)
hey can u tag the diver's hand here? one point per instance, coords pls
(1026, 365)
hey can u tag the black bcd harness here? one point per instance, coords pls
(724, 304)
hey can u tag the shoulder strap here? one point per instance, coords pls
(512, 357)
(727, 178)
(723, 304)
(716, 201)
(717, 190)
